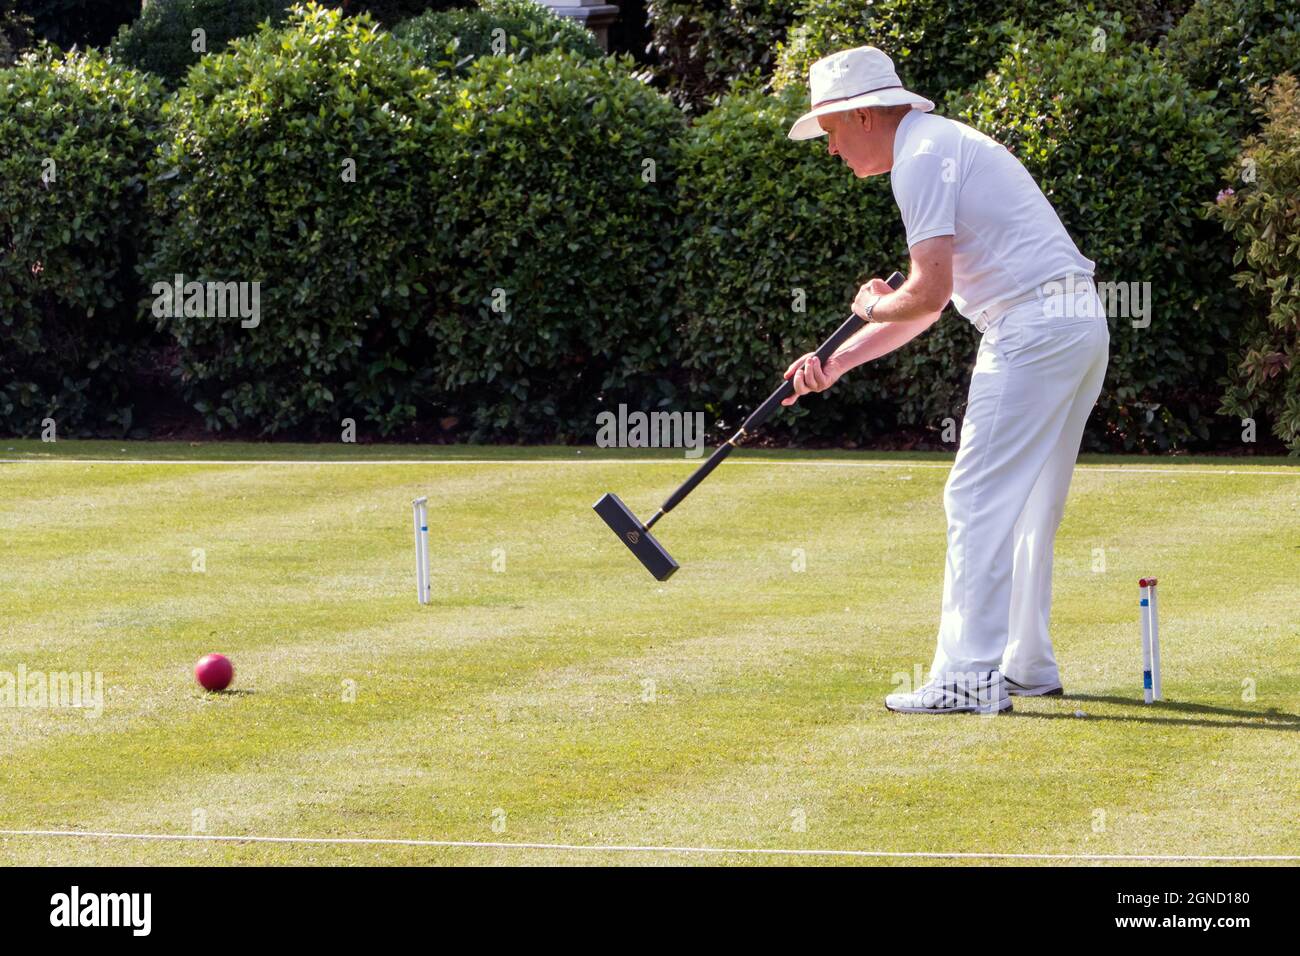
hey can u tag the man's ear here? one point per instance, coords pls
(867, 118)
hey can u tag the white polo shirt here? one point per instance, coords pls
(951, 180)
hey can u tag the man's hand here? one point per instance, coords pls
(869, 293)
(809, 375)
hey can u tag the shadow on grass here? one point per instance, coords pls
(1174, 713)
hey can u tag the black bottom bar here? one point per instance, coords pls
(999, 905)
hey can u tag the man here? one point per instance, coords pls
(981, 233)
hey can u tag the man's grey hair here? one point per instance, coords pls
(902, 109)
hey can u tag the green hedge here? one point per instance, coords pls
(1264, 218)
(939, 46)
(549, 204)
(1127, 153)
(521, 180)
(450, 41)
(1228, 46)
(249, 186)
(526, 177)
(703, 46)
(69, 341)
(161, 41)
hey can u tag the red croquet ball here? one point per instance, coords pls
(214, 672)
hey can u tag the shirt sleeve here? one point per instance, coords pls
(925, 187)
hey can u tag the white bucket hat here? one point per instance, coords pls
(851, 80)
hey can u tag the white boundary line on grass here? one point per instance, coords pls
(619, 848)
(315, 463)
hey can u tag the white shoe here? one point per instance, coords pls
(1017, 689)
(966, 694)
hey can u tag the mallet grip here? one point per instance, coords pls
(852, 325)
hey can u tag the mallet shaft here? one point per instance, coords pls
(700, 474)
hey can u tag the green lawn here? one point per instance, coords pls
(594, 705)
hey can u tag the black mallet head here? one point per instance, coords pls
(634, 534)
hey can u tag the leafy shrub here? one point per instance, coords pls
(555, 221)
(250, 186)
(938, 46)
(161, 40)
(1126, 153)
(1230, 45)
(765, 220)
(1264, 219)
(452, 40)
(375, 295)
(77, 132)
(705, 46)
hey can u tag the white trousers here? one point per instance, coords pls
(1039, 372)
